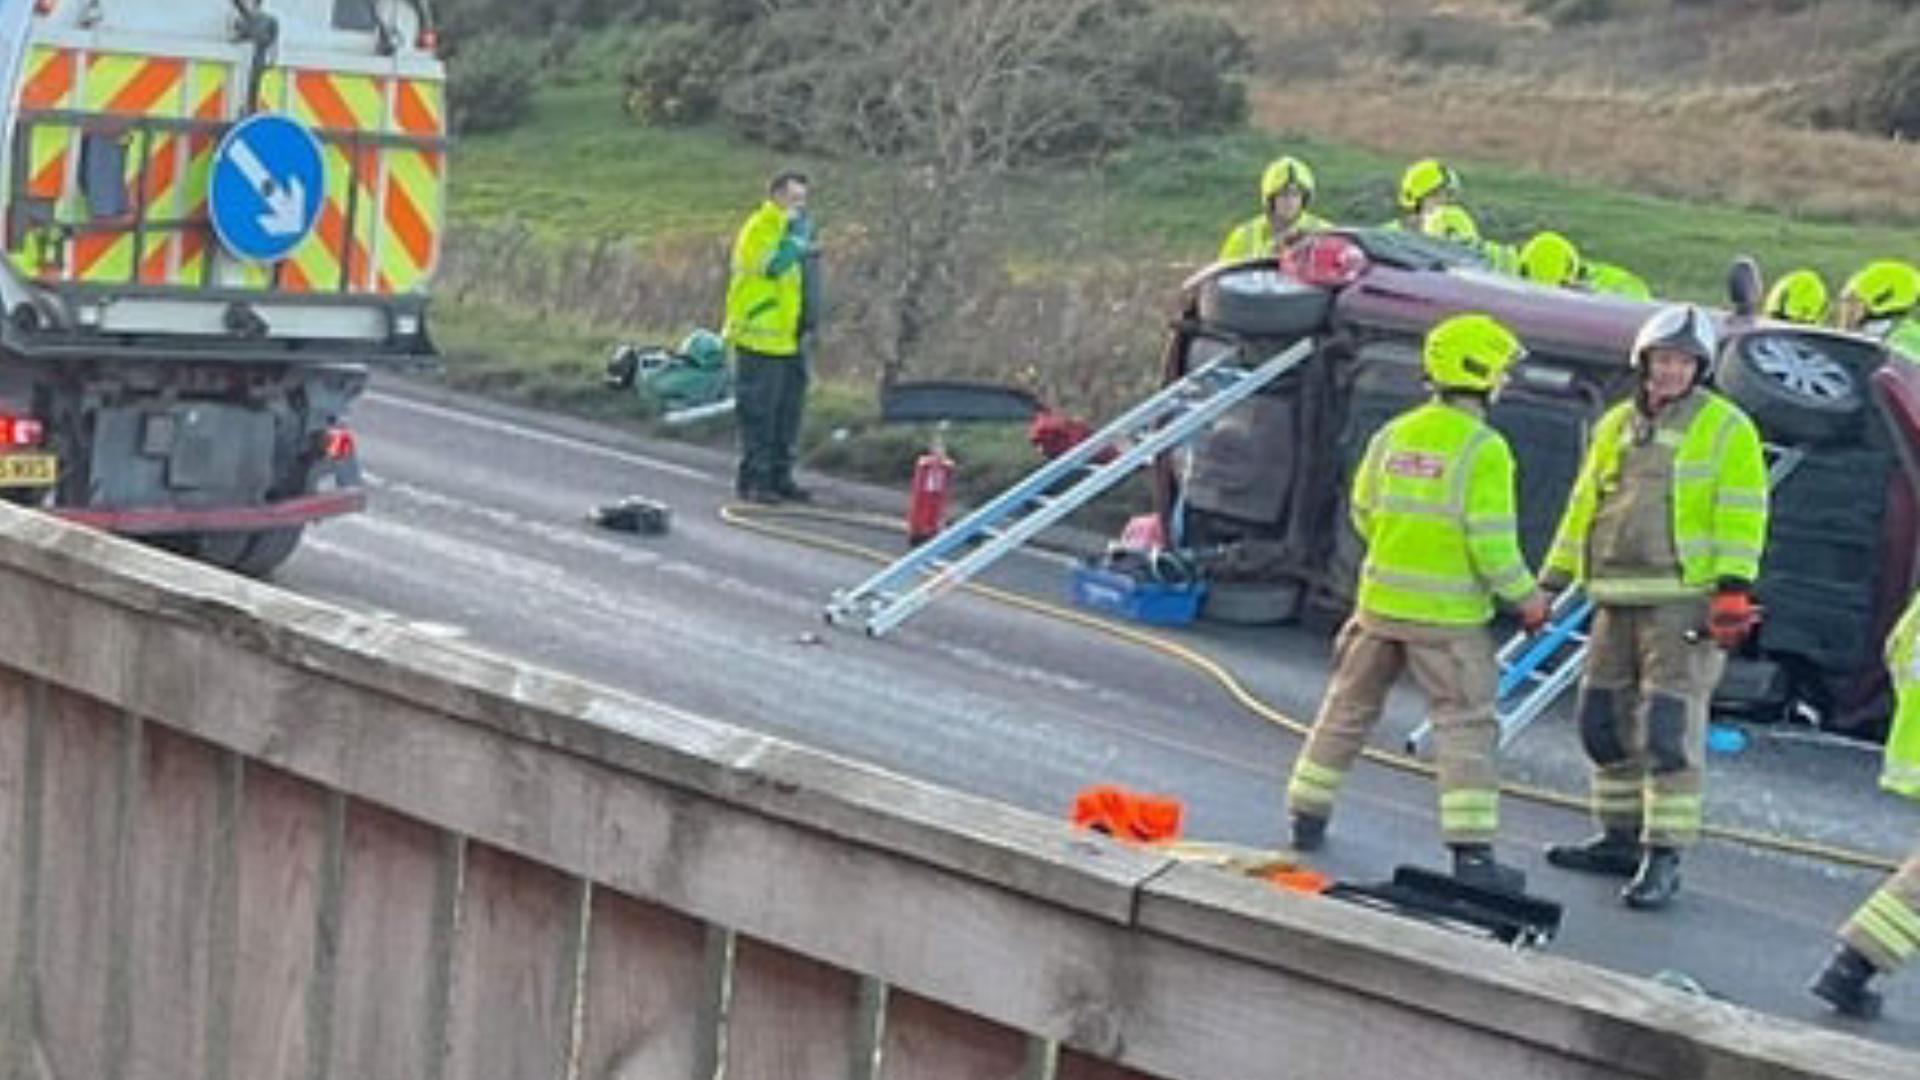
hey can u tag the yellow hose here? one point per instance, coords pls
(758, 520)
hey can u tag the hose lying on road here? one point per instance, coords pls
(767, 522)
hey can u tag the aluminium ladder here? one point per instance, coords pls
(1539, 668)
(1170, 418)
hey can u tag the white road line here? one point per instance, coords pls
(567, 442)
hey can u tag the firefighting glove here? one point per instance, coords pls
(1732, 615)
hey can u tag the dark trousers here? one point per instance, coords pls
(770, 393)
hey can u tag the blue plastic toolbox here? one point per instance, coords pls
(1153, 602)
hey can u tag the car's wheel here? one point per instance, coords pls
(1795, 389)
(267, 550)
(1257, 301)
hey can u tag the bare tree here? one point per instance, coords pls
(953, 94)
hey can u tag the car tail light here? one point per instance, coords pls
(1329, 261)
(45, 7)
(336, 444)
(20, 431)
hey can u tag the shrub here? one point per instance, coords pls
(1886, 99)
(677, 73)
(489, 85)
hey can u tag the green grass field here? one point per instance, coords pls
(580, 171)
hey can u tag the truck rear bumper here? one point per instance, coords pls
(280, 515)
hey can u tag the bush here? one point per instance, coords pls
(489, 85)
(678, 73)
(1885, 100)
(1190, 59)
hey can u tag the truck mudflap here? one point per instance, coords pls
(153, 521)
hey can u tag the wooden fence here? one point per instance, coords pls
(246, 836)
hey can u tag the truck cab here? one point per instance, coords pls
(219, 217)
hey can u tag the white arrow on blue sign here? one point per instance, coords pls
(269, 183)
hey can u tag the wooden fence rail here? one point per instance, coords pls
(247, 836)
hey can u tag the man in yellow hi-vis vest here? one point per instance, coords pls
(1885, 933)
(1286, 190)
(767, 317)
(1433, 499)
(1665, 528)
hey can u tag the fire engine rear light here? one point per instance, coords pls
(20, 431)
(336, 444)
(428, 41)
(45, 7)
(1329, 261)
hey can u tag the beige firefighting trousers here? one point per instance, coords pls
(1643, 718)
(1886, 929)
(1455, 667)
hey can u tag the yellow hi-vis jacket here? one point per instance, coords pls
(1253, 239)
(764, 290)
(1433, 499)
(1719, 504)
(1900, 772)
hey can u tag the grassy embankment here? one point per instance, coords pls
(579, 175)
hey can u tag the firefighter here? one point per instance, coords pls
(765, 320)
(1549, 258)
(1885, 933)
(1883, 301)
(1286, 190)
(1800, 296)
(1454, 225)
(1426, 186)
(1664, 528)
(1434, 502)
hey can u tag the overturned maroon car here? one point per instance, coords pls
(1266, 487)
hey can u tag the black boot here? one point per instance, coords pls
(1474, 864)
(1657, 883)
(1615, 852)
(1843, 984)
(1309, 832)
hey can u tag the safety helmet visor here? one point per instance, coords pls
(1678, 328)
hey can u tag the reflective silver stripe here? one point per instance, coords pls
(1604, 590)
(1491, 523)
(1397, 579)
(1740, 500)
(1401, 504)
(1736, 551)
(1481, 433)
(1689, 473)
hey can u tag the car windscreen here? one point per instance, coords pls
(1413, 251)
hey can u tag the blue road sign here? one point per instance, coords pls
(268, 187)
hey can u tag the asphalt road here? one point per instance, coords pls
(477, 532)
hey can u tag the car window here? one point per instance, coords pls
(1413, 251)
(355, 15)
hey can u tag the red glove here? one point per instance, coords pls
(1731, 616)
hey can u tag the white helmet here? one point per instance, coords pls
(1682, 328)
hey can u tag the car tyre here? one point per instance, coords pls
(1258, 301)
(1796, 390)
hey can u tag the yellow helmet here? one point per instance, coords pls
(1452, 223)
(1550, 259)
(1885, 289)
(1799, 297)
(1470, 352)
(1424, 179)
(1284, 173)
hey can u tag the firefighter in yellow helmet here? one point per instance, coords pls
(1434, 502)
(1883, 301)
(1664, 528)
(1425, 187)
(1800, 296)
(1885, 932)
(1454, 225)
(1286, 190)
(1550, 259)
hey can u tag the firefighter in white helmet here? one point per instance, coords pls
(1664, 529)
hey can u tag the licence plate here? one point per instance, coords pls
(28, 470)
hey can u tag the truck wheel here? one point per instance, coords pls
(1256, 301)
(266, 551)
(1796, 390)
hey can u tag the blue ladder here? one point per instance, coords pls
(1170, 418)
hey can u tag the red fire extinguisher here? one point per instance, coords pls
(927, 497)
